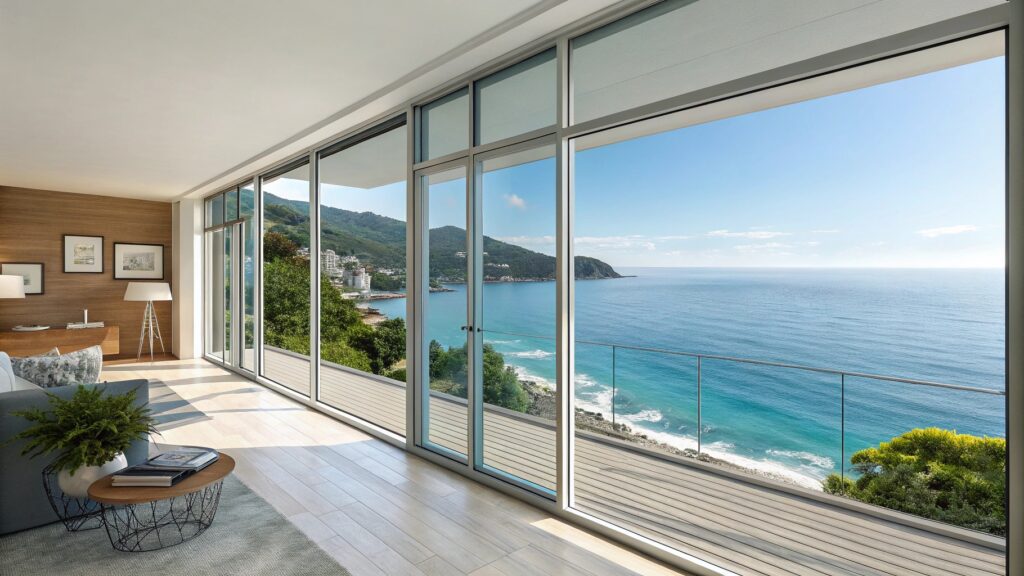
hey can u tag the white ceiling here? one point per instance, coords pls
(154, 99)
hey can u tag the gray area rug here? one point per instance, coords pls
(248, 537)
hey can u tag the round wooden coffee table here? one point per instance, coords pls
(141, 518)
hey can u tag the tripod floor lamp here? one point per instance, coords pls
(148, 292)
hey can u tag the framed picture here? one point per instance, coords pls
(138, 261)
(32, 272)
(83, 254)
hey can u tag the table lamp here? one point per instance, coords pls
(148, 292)
(12, 286)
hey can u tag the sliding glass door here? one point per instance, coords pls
(445, 297)
(487, 304)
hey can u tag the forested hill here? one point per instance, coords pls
(380, 241)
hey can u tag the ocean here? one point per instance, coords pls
(943, 326)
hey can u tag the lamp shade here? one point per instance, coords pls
(147, 291)
(12, 286)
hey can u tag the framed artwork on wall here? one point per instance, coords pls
(138, 261)
(83, 254)
(32, 272)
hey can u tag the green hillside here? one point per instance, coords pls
(380, 241)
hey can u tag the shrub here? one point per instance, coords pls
(938, 474)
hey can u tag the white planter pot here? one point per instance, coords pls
(77, 486)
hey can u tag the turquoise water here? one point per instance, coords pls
(939, 325)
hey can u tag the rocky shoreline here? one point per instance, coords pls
(542, 403)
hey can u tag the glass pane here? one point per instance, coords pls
(362, 285)
(517, 100)
(445, 312)
(519, 371)
(754, 245)
(246, 201)
(286, 277)
(216, 210)
(215, 286)
(228, 276)
(444, 125)
(231, 205)
(679, 46)
(208, 213)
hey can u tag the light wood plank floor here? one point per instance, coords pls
(374, 507)
(743, 527)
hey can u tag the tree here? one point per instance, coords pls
(277, 246)
(448, 373)
(939, 474)
(384, 344)
(286, 304)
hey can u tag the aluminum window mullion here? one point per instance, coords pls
(1015, 288)
(314, 277)
(565, 419)
(414, 338)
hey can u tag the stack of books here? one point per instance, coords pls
(166, 469)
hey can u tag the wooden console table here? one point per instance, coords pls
(38, 342)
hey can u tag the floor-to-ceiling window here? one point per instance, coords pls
(784, 309)
(808, 290)
(286, 277)
(363, 232)
(228, 288)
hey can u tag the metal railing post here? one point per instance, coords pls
(613, 385)
(699, 399)
(842, 429)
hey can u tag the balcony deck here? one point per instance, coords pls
(736, 524)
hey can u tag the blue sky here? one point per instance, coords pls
(904, 174)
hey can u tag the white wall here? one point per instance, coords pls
(186, 255)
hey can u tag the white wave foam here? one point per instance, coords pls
(600, 402)
(531, 354)
(823, 462)
(525, 374)
(718, 450)
(652, 416)
(585, 381)
(489, 341)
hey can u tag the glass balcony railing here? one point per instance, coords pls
(932, 449)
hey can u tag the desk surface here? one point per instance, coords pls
(40, 341)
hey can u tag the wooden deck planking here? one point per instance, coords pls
(747, 527)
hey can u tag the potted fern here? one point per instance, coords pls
(89, 433)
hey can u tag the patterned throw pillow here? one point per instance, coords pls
(80, 367)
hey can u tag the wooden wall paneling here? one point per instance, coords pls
(32, 225)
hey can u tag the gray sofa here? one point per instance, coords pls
(23, 502)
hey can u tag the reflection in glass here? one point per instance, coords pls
(444, 125)
(517, 99)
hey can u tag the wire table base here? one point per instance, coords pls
(77, 514)
(161, 523)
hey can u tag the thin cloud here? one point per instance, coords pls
(947, 230)
(761, 247)
(515, 201)
(615, 242)
(828, 231)
(749, 235)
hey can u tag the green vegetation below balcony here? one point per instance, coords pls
(933, 473)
